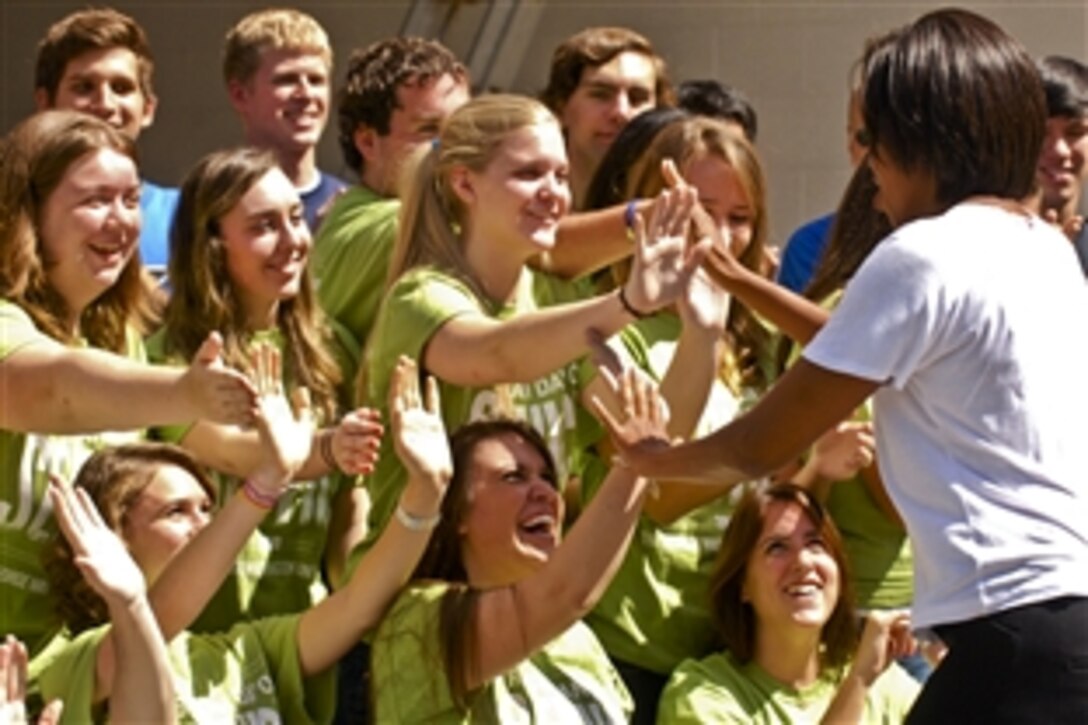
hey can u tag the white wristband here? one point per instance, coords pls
(417, 523)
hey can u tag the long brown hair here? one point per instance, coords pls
(685, 140)
(34, 159)
(204, 298)
(733, 617)
(443, 560)
(114, 478)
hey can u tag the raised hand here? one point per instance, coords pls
(664, 260)
(355, 441)
(13, 667)
(217, 392)
(419, 434)
(644, 428)
(844, 450)
(99, 553)
(1071, 227)
(285, 434)
(886, 638)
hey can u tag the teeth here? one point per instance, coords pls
(802, 589)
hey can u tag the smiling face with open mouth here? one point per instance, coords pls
(791, 579)
(515, 513)
(90, 226)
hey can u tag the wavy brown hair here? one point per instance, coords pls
(114, 478)
(204, 298)
(34, 158)
(733, 617)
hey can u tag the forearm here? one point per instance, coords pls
(347, 528)
(64, 391)
(687, 382)
(588, 241)
(524, 348)
(848, 705)
(184, 588)
(328, 630)
(236, 452)
(799, 318)
(142, 688)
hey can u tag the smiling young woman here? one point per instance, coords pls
(72, 307)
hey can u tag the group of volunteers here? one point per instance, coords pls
(528, 423)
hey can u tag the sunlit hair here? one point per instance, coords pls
(955, 96)
(592, 48)
(204, 297)
(432, 215)
(735, 619)
(84, 31)
(686, 141)
(369, 95)
(114, 478)
(443, 558)
(272, 29)
(34, 159)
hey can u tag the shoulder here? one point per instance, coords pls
(812, 232)
(704, 691)
(17, 329)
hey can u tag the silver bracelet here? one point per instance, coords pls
(417, 523)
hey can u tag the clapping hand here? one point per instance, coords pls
(98, 552)
(218, 393)
(356, 440)
(13, 666)
(285, 434)
(886, 638)
(419, 434)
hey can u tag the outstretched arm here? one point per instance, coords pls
(804, 403)
(480, 351)
(513, 622)
(51, 388)
(331, 628)
(131, 664)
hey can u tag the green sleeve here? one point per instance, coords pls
(17, 330)
(70, 677)
(301, 699)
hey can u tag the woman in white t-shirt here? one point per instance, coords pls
(957, 324)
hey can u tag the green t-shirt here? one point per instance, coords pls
(249, 674)
(879, 552)
(420, 302)
(279, 569)
(26, 513)
(718, 689)
(656, 611)
(351, 257)
(569, 680)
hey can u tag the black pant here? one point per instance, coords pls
(1023, 665)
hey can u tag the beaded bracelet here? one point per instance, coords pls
(325, 446)
(417, 523)
(258, 497)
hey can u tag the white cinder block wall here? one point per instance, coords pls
(790, 56)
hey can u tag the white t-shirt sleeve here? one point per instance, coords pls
(887, 325)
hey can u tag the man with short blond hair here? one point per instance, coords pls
(276, 65)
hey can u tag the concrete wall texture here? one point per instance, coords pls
(790, 56)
